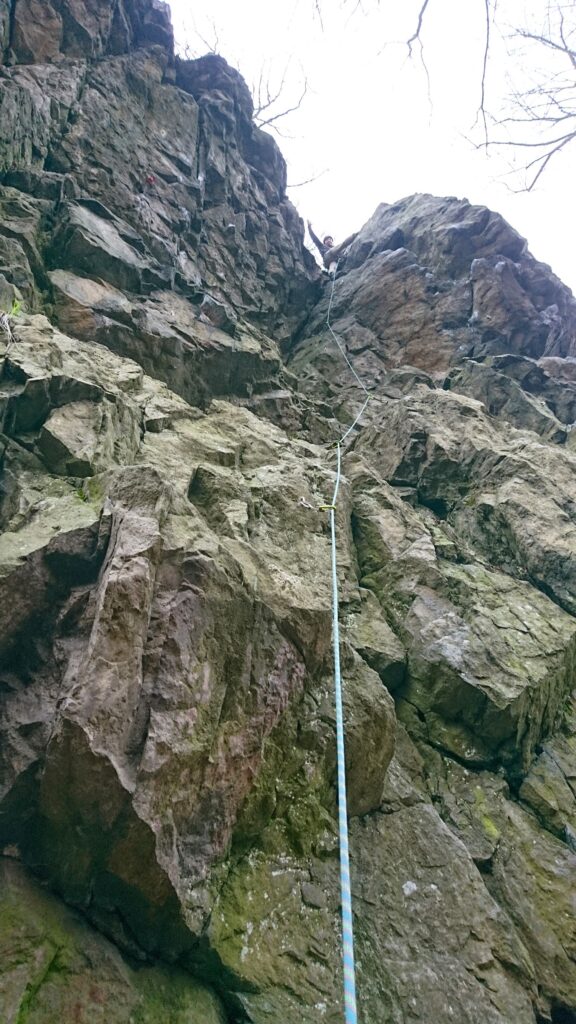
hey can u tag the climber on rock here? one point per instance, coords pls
(331, 254)
(323, 246)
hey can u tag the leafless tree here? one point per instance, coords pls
(210, 41)
(271, 103)
(542, 117)
(307, 181)
(352, 6)
(543, 121)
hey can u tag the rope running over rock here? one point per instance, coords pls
(350, 1011)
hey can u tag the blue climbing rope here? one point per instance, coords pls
(350, 1011)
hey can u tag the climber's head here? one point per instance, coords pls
(328, 240)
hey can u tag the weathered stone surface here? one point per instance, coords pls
(507, 494)
(373, 638)
(539, 380)
(530, 872)
(202, 208)
(450, 232)
(549, 788)
(37, 33)
(93, 244)
(525, 869)
(5, 6)
(448, 952)
(201, 198)
(167, 725)
(21, 225)
(168, 336)
(490, 660)
(84, 437)
(194, 552)
(563, 369)
(43, 32)
(54, 967)
(513, 314)
(35, 105)
(430, 281)
(505, 398)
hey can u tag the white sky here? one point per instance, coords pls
(367, 120)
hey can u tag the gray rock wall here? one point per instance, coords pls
(169, 399)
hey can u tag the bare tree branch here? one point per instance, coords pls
(214, 46)
(318, 10)
(262, 122)
(267, 95)
(415, 38)
(545, 41)
(550, 99)
(263, 97)
(482, 107)
(307, 181)
(551, 102)
(534, 145)
(358, 6)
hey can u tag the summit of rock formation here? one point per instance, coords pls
(169, 398)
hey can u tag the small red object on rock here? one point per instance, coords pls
(150, 179)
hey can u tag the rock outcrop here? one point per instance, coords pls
(169, 399)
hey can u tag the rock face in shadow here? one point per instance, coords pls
(54, 966)
(169, 401)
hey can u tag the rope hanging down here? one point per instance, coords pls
(350, 1012)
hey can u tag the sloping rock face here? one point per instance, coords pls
(452, 290)
(169, 399)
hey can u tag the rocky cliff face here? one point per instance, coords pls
(169, 395)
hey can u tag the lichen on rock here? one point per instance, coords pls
(169, 401)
